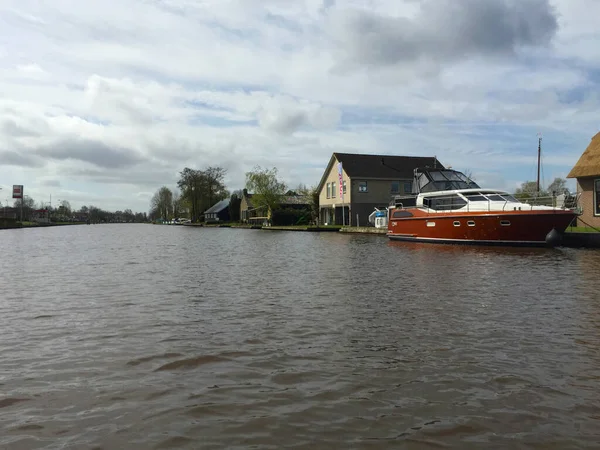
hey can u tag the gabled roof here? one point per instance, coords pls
(589, 162)
(370, 166)
(248, 198)
(295, 200)
(218, 207)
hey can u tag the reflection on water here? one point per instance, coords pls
(140, 336)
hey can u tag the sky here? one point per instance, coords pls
(104, 102)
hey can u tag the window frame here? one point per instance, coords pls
(397, 190)
(366, 186)
(596, 197)
(410, 185)
(328, 190)
(344, 186)
(333, 189)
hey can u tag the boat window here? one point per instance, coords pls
(431, 224)
(400, 214)
(456, 223)
(471, 223)
(476, 197)
(445, 203)
(496, 197)
(505, 223)
(510, 198)
(443, 180)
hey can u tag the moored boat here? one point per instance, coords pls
(448, 207)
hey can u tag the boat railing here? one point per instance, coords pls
(491, 205)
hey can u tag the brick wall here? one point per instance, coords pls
(585, 187)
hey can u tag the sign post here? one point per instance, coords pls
(18, 193)
(341, 183)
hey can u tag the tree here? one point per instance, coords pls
(28, 205)
(267, 189)
(162, 203)
(214, 185)
(234, 205)
(313, 194)
(202, 188)
(528, 189)
(177, 205)
(558, 186)
(64, 208)
(189, 183)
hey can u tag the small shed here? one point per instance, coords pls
(219, 212)
(587, 173)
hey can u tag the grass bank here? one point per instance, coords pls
(313, 228)
(581, 230)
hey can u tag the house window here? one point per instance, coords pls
(333, 189)
(344, 184)
(408, 187)
(362, 186)
(597, 197)
(328, 190)
(395, 189)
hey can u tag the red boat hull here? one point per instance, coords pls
(487, 228)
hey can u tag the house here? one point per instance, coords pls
(249, 213)
(219, 212)
(368, 181)
(587, 173)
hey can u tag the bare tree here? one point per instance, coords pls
(161, 204)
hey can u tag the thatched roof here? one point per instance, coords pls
(589, 162)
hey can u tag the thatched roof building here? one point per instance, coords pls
(589, 162)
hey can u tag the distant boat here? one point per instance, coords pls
(448, 207)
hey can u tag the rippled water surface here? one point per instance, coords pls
(141, 336)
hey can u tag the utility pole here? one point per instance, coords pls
(538, 162)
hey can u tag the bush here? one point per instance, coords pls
(290, 216)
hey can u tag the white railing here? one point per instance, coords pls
(495, 205)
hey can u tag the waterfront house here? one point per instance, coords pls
(248, 213)
(368, 181)
(587, 173)
(219, 212)
(252, 214)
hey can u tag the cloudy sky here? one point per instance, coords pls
(102, 102)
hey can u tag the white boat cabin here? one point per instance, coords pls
(442, 190)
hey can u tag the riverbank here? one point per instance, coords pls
(14, 225)
(573, 237)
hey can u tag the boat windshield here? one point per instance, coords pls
(431, 180)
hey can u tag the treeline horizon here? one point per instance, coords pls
(200, 189)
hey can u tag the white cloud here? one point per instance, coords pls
(97, 98)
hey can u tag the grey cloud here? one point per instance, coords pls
(283, 123)
(445, 31)
(13, 129)
(93, 152)
(147, 176)
(19, 159)
(51, 183)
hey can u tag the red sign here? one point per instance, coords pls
(17, 191)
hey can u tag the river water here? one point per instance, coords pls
(142, 336)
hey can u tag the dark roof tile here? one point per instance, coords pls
(370, 166)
